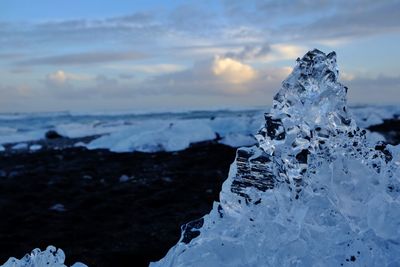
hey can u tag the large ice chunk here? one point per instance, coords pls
(315, 191)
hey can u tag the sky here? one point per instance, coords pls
(98, 55)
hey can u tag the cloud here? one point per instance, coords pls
(250, 52)
(251, 28)
(232, 71)
(10, 55)
(58, 77)
(288, 21)
(137, 27)
(61, 78)
(83, 58)
(126, 76)
(149, 68)
(287, 51)
(20, 70)
(193, 19)
(358, 18)
(243, 22)
(204, 81)
(24, 90)
(103, 82)
(284, 51)
(378, 90)
(345, 76)
(174, 49)
(139, 18)
(219, 76)
(267, 53)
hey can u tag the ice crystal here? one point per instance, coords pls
(315, 191)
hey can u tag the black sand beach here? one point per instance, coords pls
(110, 209)
(106, 220)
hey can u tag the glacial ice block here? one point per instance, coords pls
(315, 191)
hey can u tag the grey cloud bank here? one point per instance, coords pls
(83, 58)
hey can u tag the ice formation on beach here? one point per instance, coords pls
(51, 257)
(315, 191)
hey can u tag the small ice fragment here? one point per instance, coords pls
(80, 144)
(238, 140)
(2, 148)
(35, 147)
(167, 179)
(87, 177)
(20, 146)
(79, 264)
(124, 178)
(58, 207)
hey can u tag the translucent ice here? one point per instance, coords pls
(51, 257)
(315, 191)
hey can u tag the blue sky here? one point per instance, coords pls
(97, 55)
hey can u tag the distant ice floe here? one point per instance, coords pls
(19, 137)
(80, 144)
(238, 140)
(156, 136)
(35, 147)
(20, 146)
(176, 135)
(124, 178)
(76, 130)
(366, 116)
(58, 207)
(147, 132)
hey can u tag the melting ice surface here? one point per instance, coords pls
(315, 191)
